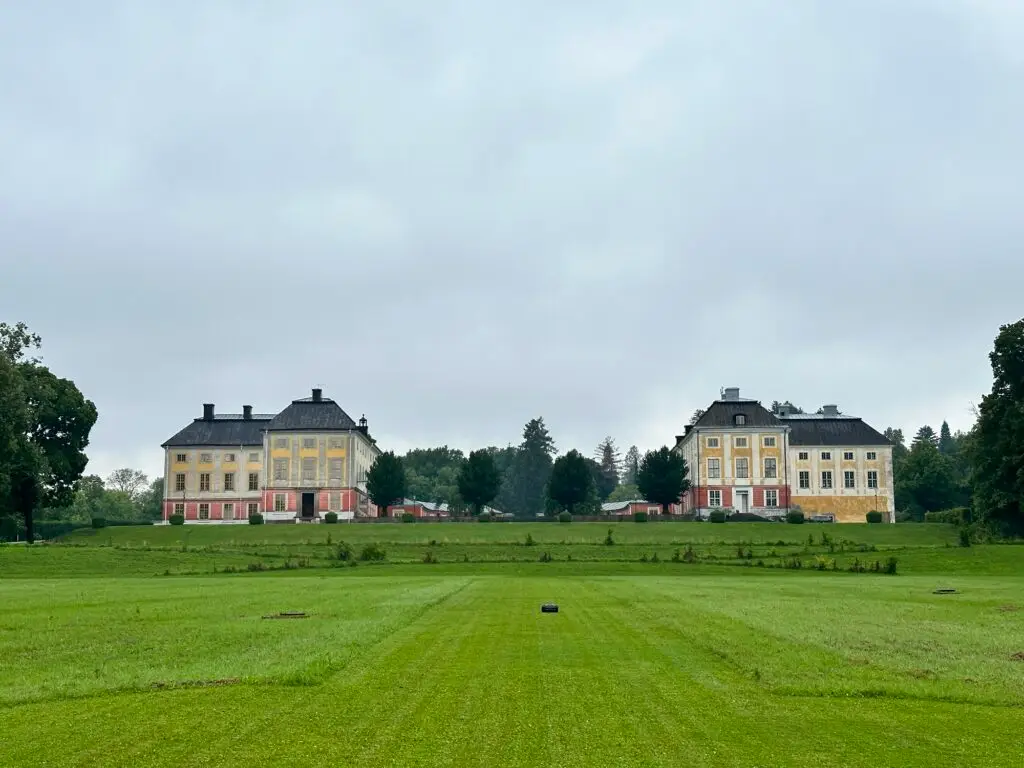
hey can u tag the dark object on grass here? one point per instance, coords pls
(549, 608)
(944, 591)
(287, 615)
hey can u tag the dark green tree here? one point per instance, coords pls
(530, 469)
(925, 434)
(625, 492)
(385, 482)
(696, 416)
(631, 466)
(777, 407)
(609, 465)
(927, 481)
(996, 447)
(663, 477)
(947, 445)
(572, 481)
(432, 474)
(479, 480)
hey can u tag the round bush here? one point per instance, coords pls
(874, 516)
(331, 517)
(795, 516)
(408, 517)
(255, 519)
(565, 517)
(99, 522)
(639, 517)
(484, 517)
(717, 516)
(176, 519)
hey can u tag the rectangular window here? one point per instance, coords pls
(336, 443)
(714, 498)
(805, 479)
(714, 468)
(280, 502)
(802, 456)
(309, 443)
(740, 442)
(254, 508)
(742, 467)
(712, 442)
(334, 502)
(179, 482)
(308, 470)
(848, 481)
(769, 442)
(847, 455)
(205, 458)
(826, 455)
(771, 498)
(871, 456)
(229, 481)
(280, 469)
(872, 479)
(335, 470)
(826, 479)
(229, 458)
(254, 458)
(181, 458)
(179, 509)
(280, 442)
(771, 468)
(229, 511)
(204, 481)
(204, 511)
(254, 481)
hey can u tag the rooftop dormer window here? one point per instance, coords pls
(739, 419)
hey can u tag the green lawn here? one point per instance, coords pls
(106, 661)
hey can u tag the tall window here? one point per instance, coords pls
(179, 482)
(872, 479)
(714, 469)
(769, 442)
(805, 479)
(771, 468)
(871, 456)
(334, 469)
(280, 469)
(847, 455)
(308, 470)
(334, 502)
(280, 502)
(229, 511)
(254, 508)
(229, 481)
(848, 481)
(254, 481)
(179, 509)
(204, 511)
(771, 498)
(742, 467)
(739, 419)
(204, 481)
(826, 479)
(714, 498)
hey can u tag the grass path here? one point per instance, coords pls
(635, 671)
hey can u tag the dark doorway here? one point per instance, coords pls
(308, 504)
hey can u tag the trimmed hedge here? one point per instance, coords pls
(639, 517)
(176, 519)
(874, 516)
(953, 516)
(408, 517)
(99, 522)
(256, 519)
(565, 517)
(331, 518)
(795, 517)
(717, 516)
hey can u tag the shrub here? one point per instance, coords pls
(565, 517)
(344, 551)
(484, 517)
(529, 540)
(965, 536)
(260, 566)
(545, 557)
(955, 516)
(429, 557)
(689, 556)
(176, 519)
(639, 517)
(746, 517)
(256, 519)
(99, 522)
(408, 517)
(874, 516)
(890, 565)
(608, 539)
(371, 552)
(331, 517)
(795, 516)
(717, 516)
(654, 558)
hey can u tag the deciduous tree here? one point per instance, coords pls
(385, 481)
(479, 480)
(663, 477)
(571, 482)
(131, 482)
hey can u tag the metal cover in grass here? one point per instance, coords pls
(549, 608)
(944, 591)
(287, 615)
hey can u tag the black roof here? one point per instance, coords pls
(311, 413)
(228, 429)
(838, 431)
(722, 413)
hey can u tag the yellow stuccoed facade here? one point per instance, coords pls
(847, 509)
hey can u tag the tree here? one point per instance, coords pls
(899, 448)
(696, 416)
(996, 446)
(131, 482)
(479, 480)
(432, 474)
(631, 466)
(385, 481)
(530, 470)
(571, 482)
(927, 481)
(46, 429)
(609, 463)
(947, 445)
(663, 477)
(151, 501)
(625, 492)
(777, 407)
(927, 435)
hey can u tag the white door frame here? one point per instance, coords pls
(749, 491)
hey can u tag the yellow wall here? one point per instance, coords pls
(847, 509)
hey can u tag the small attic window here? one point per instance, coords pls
(739, 419)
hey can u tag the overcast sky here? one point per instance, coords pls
(456, 216)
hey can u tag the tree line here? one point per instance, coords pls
(528, 479)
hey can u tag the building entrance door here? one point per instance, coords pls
(308, 504)
(743, 501)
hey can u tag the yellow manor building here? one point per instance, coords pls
(744, 458)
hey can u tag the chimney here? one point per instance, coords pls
(784, 410)
(318, 395)
(732, 393)
(207, 411)
(247, 412)
(830, 410)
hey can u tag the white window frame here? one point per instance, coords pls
(714, 499)
(181, 458)
(774, 468)
(849, 479)
(335, 444)
(280, 443)
(204, 511)
(204, 481)
(229, 481)
(746, 468)
(803, 479)
(254, 481)
(280, 470)
(179, 508)
(229, 458)
(334, 501)
(771, 498)
(826, 455)
(872, 478)
(849, 455)
(769, 441)
(206, 458)
(179, 482)
(309, 443)
(716, 473)
(803, 456)
(335, 464)
(740, 420)
(308, 469)
(227, 511)
(712, 442)
(826, 478)
(871, 456)
(280, 502)
(253, 508)
(740, 442)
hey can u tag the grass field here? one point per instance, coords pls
(108, 661)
